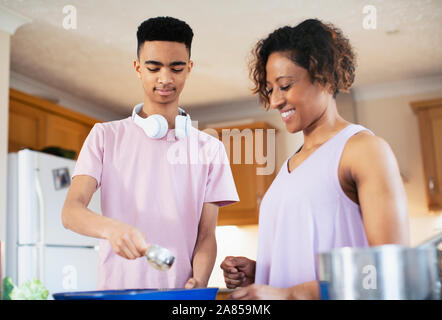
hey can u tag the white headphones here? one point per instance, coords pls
(156, 126)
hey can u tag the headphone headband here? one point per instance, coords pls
(139, 107)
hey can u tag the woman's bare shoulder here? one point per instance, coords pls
(365, 151)
(365, 142)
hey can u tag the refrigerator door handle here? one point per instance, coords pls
(41, 221)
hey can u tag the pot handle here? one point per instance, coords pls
(433, 241)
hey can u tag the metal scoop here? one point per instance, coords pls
(160, 258)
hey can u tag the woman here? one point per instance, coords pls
(341, 188)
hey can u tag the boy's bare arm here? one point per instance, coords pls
(204, 254)
(125, 240)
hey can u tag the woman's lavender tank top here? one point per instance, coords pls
(304, 213)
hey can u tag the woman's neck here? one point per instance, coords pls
(324, 127)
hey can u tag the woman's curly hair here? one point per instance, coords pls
(319, 48)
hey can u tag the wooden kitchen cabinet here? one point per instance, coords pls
(250, 186)
(61, 131)
(429, 114)
(26, 126)
(36, 123)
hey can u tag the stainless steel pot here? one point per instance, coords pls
(391, 272)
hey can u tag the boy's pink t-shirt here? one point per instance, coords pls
(158, 186)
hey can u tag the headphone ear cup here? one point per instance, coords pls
(155, 126)
(181, 130)
(188, 125)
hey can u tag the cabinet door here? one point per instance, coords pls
(26, 127)
(249, 185)
(65, 133)
(246, 210)
(37, 123)
(430, 123)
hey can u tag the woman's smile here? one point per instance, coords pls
(288, 114)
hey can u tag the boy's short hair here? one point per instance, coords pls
(164, 29)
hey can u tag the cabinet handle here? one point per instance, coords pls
(431, 184)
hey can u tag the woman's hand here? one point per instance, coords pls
(238, 271)
(260, 292)
(304, 291)
(127, 241)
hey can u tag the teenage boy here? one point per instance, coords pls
(147, 197)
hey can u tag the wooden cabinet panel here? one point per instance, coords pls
(36, 123)
(249, 185)
(246, 210)
(26, 127)
(435, 174)
(245, 183)
(62, 132)
(430, 127)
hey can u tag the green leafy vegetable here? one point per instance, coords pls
(30, 290)
(7, 288)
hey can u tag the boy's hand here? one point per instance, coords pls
(127, 241)
(193, 283)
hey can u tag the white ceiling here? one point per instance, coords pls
(94, 62)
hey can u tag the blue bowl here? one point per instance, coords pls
(141, 294)
(323, 290)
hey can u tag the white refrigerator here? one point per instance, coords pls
(38, 246)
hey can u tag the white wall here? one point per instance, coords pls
(233, 241)
(4, 116)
